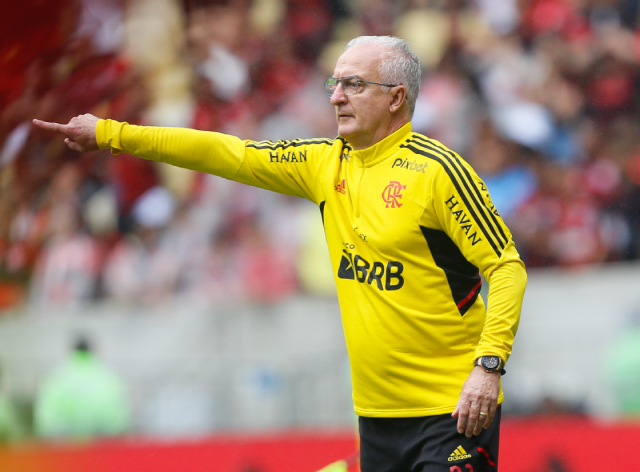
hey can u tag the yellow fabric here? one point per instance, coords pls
(402, 218)
(340, 466)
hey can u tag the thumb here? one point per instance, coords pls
(73, 145)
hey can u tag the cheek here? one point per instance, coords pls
(370, 113)
(363, 112)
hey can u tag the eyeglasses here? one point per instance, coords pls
(350, 84)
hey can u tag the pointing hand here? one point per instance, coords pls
(80, 133)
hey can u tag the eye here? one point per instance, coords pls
(350, 85)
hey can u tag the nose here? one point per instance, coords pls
(338, 96)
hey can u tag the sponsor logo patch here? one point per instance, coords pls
(463, 220)
(355, 267)
(291, 156)
(410, 165)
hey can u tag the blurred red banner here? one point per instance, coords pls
(554, 444)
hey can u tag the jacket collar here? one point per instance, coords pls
(382, 149)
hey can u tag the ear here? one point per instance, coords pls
(398, 98)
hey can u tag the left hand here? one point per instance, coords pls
(479, 395)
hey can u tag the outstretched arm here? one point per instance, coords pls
(79, 133)
(288, 167)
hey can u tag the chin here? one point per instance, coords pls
(344, 131)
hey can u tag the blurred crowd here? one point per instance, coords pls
(540, 96)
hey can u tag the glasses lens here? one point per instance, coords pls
(330, 86)
(350, 85)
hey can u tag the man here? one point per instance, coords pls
(409, 226)
(82, 399)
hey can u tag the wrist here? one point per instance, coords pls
(480, 369)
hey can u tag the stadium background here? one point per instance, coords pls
(213, 302)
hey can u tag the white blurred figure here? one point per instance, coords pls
(228, 73)
(215, 35)
(102, 22)
(142, 268)
(501, 15)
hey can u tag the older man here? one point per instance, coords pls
(410, 227)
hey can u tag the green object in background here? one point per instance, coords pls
(624, 371)
(10, 427)
(81, 400)
(342, 465)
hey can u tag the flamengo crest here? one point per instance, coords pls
(391, 194)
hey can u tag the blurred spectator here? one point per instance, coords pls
(142, 267)
(102, 24)
(214, 35)
(217, 279)
(67, 268)
(266, 269)
(540, 95)
(502, 167)
(81, 399)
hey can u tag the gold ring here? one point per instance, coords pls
(483, 414)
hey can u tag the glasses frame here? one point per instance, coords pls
(339, 80)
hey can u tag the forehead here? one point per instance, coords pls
(361, 61)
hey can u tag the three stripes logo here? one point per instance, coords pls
(459, 454)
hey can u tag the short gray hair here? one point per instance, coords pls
(398, 66)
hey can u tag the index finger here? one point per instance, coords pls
(55, 127)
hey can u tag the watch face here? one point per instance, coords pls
(490, 362)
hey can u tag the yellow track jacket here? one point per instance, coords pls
(410, 228)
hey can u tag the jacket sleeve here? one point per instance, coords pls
(466, 213)
(287, 167)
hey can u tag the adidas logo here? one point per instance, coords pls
(341, 187)
(459, 454)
